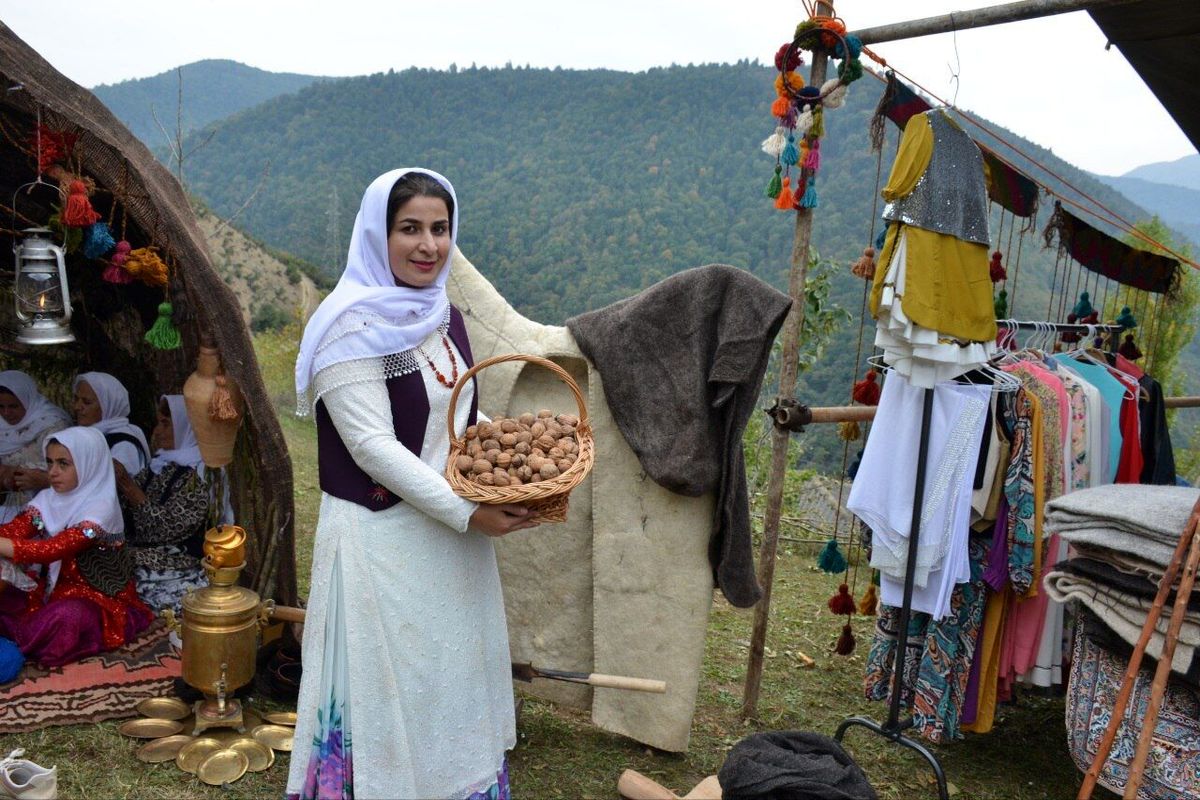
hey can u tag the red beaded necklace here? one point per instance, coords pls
(448, 383)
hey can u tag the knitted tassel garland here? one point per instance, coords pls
(809, 199)
(845, 643)
(1001, 304)
(776, 184)
(785, 199)
(866, 391)
(842, 603)
(220, 406)
(831, 559)
(145, 265)
(865, 266)
(790, 154)
(120, 253)
(804, 122)
(115, 272)
(868, 605)
(779, 108)
(996, 269)
(773, 144)
(79, 212)
(849, 431)
(163, 335)
(812, 160)
(818, 125)
(1126, 319)
(1129, 349)
(97, 240)
(1083, 307)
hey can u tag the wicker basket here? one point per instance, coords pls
(547, 499)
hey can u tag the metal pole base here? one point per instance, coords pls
(896, 735)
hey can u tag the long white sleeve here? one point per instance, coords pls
(362, 414)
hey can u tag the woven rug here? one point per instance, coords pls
(107, 686)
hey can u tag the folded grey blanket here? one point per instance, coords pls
(1130, 583)
(1158, 513)
(1120, 541)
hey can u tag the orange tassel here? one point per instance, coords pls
(79, 212)
(780, 107)
(865, 266)
(785, 199)
(868, 606)
(845, 643)
(220, 406)
(842, 603)
(145, 265)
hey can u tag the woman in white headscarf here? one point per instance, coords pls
(26, 420)
(169, 506)
(103, 401)
(71, 536)
(405, 647)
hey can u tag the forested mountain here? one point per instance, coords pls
(1180, 172)
(1174, 204)
(579, 188)
(212, 90)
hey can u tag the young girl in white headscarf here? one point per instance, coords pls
(27, 419)
(405, 648)
(103, 401)
(169, 507)
(71, 538)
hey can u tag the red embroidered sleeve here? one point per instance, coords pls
(66, 544)
(20, 527)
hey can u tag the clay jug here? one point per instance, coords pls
(214, 434)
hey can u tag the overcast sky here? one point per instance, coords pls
(1050, 80)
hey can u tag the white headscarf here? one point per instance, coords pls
(95, 498)
(186, 452)
(114, 405)
(388, 318)
(40, 413)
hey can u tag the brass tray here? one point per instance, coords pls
(223, 766)
(191, 756)
(251, 719)
(149, 728)
(258, 754)
(287, 718)
(277, 737)
(164, 708)
(164, 749)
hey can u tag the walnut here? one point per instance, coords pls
(517, 460)
(525, 473)
(567, 445)
(491, 455)
(526, 419)
(510, 426)
(491, 444)
(563, 465)
(481, 466)
(474, 448)
(537, 429)
(525, 436)
(555, 453)
(553, 429)
(484, 430)
(507, 440)
(567, 419)
(472, 431)
(548, 470)
(503, 460)
(544, 443)
(486, 479)
(500, 478)
(515, 480)
(464, 463)
(522, 448)
(545, 413)
(535, 462)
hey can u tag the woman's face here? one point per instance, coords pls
(87, 405)
(11, 409)
(163, 435)
(61, 468)
(419, 241)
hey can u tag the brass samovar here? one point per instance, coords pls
(221, 625)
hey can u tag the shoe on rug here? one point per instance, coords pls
(24, 780)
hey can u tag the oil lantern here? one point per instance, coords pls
(43, 302)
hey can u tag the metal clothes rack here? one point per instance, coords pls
(893, 728)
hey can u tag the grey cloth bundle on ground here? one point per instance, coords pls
(792, 765)
(682, 363)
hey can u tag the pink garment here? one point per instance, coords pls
(62, 631)
(1029, 619)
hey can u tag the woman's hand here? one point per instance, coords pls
(6, 548)
(127, 486)
(499, 520)
(30, 480)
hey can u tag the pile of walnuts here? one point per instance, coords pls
(513, 452)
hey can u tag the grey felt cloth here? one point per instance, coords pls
(792, 765)
(1143, 521)
(682, 363)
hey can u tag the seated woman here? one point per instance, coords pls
(85, 601)
(168, 507)
(27, 419)
(101, 400)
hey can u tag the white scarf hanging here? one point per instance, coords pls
(114, 405)
(367, 314)
(40, 413)
(186, 452)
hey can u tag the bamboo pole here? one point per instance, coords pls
(780, 438)
(980, 17)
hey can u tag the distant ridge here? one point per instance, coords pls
(1177, 206)
(212, 89)
(1180, 172)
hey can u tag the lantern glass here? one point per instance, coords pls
(39, 291)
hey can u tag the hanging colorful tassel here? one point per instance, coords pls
(1091, 319)
(833, 93)
(776, 184)
(868, 604)
(115, 272)
(163, 334)
(221, 407)
(809, 199)
(804, 122)
(831, 559)
(145, 265)
(79, 212)
(818, 125)
(1129, 349)
(865, 266)
(97, 240)
(849, 431)
(812, 161)
(773, 145)
(996, 269)
(1126, 319)
(785, 199)
(780, 107)
(842, 603)
(845, 643)
(866, 391)
(790, 154)
(788, 57)
(789, 83)
(1083, 307)
(1001, 304)
(72, 238)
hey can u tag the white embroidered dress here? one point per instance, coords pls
(405, 637)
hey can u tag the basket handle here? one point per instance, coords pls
(562, 374)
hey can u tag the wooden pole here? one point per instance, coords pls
(980, 17)
(780, 438)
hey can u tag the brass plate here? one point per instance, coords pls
(164, 749)
(223, 766)
(258, 754)
(251, 719)
(164, 708)
(190, 757)
(276, 737)
(281, 718)
(149, 728)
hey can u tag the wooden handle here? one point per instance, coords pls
(622, 682)
(288, 614)
(633, 785)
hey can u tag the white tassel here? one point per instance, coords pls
(804, 122)
(836, 98)
(773, 145)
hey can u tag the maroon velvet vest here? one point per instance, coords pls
(340, 476)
